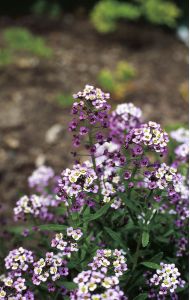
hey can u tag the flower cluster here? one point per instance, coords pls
(125, 117)
(182, 152)
(106, 268)
(181, 135)
(74, 233)
(36, 205)
(52, 266)
(40, 178)
(14, 288)
(13, 285)
(164, 177)
(167, 278)
(67, 246)
(75, 183)
(106, 258)
(91, 109)
(150, 135)
(19, 259)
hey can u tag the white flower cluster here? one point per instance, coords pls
(40, 177)
(92, 281)
(32, 205)
(181, 135)
(107, 258)
(167, 278)
(19, 259)
(128, 108)
(44, 268)
(168, 177)
(151, 135)
(12, 286)
(95, 95)
(109, 192)
(75, 181)
(182, 151)
(67, 246)
(74, 233)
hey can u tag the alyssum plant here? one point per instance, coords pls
(110, 227)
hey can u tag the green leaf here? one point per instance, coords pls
(151, 265)
(68, 285)
(157, 257)
(53, 227)
(141, 296)
(115, 236)
(98, 214)
(145, 238)
(19, 229)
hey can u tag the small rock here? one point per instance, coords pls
(11, 142)
(53, 133)
(40, 160)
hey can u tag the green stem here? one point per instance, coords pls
(94, 162)
(136, 256)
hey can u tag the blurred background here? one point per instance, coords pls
(49, 50)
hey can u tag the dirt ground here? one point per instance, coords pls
(28, 109)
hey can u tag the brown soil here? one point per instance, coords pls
(27, 90)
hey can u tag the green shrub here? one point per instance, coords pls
(20, 39)
(106, 13)
(6, 57)
(117, 80)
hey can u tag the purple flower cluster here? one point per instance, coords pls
(14, 288)
(19, 259)
(106, 268)
(76, 183)
(148, 135)
(40, 178)
(163, 177)
(166, 280)
(67, 246)
(182, 246)
(52, 267)
(125, 117)
(35, 205)
(13, 285)
(91, 110)
(181, 136)
(106, 258)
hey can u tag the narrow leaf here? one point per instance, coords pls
(145, 238)
(52, 227)
(98, 214)
(141, 297)
(115, 236)
(150, 265)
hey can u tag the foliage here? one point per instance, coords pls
(106, 13)
(118, 81)
(64, 100)
(101, 229)
(17, 40)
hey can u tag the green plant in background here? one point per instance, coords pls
(64, 100)
(118, 81)
(18, 38)
(106, 13)
(5, 57)
(42, 7)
